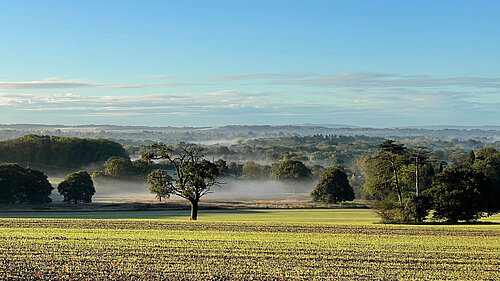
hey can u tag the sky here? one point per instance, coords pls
(212, 63)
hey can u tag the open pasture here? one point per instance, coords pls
(242, 245)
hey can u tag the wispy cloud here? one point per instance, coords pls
(49, 83)
(54, 83)
(124, 86)
(248, 76)
(359, 80)
(161, 77)
(72, 102)
(385, 80)
(323, 98)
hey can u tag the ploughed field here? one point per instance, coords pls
(338, 244)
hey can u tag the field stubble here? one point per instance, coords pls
(259, 245)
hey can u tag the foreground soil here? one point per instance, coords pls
(246, 245)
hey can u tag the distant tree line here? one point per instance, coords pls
(320, 151)
(58, 152)
(405, 180)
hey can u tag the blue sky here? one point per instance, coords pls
(203, 63)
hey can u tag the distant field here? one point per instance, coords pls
(291, 244)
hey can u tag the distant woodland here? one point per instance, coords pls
(52, 153)
(246, 158)
(404, 178)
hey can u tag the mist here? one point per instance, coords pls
(114, 190)
(138, 191)
(260, 190)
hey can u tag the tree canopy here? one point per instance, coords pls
(77, 187)
(402, 184)
(333, 187)
(460, 193)
(394, 181)
(193, 176)
(292, 170)
(255, 171)
(58, 152)
(23, 185)
(487, 161)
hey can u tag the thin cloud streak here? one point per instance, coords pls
(385, 80)
(248, 76)
(69, 101)
(161, 77)
(359, 80)
(71, 84)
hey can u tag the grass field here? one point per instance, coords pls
(293, 244)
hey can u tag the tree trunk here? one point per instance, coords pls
(396, 182)
(194, 210)
(417, 184)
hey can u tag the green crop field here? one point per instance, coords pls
(242, 245)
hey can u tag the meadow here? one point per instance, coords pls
(258, 244)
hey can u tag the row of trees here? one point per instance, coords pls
(253, 159)
(405, 185)
(331, 150)
(25, 185)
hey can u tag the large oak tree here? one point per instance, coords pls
(192, 178)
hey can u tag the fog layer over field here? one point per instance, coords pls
(260, 190)
(230, 190)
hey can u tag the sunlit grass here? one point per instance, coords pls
(290, 244)
(314, 216)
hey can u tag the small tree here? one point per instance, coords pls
(77, 186)
(333, 187)
(193, 176)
